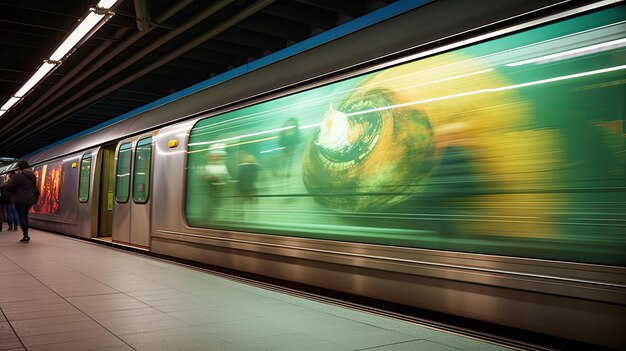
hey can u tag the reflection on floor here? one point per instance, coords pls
(59, 293)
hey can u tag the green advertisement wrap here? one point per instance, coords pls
(513, 146)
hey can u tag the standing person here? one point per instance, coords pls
(247, 174)
(5, 200)
(217, 176)
(288, 139)
(23, 190)
(453, 179)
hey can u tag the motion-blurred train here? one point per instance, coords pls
(467, 157)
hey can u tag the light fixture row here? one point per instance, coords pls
(93, 20)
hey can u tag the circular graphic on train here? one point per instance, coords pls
(345, 140)
(368, 153)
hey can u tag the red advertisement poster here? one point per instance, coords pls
(49, 182)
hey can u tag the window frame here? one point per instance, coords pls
(85, 156)
(117, 167)
(134, 170)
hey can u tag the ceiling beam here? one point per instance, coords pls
(302, 13)
(352, 8)
(46, 120)
(63, 86)
(142, 14)
(253, 39)
(277, 27)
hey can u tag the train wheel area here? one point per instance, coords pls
(62, 293)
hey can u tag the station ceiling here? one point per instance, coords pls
(148, 50)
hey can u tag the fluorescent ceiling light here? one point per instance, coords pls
(79, 33)
(613, 44)
(106, 4)
(12, 101)
(41, 72)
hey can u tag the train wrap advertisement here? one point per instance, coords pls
(513, 146)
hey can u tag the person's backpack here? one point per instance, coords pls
(37, 192)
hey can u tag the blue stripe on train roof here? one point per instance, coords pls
(371, 18)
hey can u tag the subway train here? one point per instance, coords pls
(467, 158)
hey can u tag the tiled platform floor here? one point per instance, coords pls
(59, 293)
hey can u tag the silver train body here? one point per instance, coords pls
(577, 301)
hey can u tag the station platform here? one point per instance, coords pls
(61, 293)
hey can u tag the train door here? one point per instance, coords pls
(107, 183)
(131, 205)
(86, 210)
(121, 194)
(140, 207)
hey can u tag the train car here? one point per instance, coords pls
(475, 167)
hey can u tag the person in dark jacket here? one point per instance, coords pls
(5, 200)
(23, 190)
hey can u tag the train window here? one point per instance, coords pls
(85, 175)
(510, 146)
(122, 179)
(141, 176)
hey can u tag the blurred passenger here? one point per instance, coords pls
(24, 193)
(289, 139)
(3, 215)
(453, 178)
(11, 212)
(217, 176)
(247, 174)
